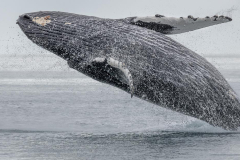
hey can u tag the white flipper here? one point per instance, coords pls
(126, 78)
(171, 25)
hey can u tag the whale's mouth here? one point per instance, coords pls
(23, 21)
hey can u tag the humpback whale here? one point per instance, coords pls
(136, 55)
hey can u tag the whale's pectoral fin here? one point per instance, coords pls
(117, 70)
(171, 25)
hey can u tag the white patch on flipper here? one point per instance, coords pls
(185, 24)
(126, 72)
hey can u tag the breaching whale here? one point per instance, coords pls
(135, 55)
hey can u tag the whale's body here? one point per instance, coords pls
(161, 70)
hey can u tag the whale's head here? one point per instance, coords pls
(60, 33)
(38, 27)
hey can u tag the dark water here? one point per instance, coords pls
(155, 145)
(49, 112)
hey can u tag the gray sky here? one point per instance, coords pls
(220, 39)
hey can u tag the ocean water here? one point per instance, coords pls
(48, 111)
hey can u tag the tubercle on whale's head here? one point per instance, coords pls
(54, 31)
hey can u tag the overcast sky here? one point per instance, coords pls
(220, 39)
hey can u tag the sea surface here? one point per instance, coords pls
(51, 112)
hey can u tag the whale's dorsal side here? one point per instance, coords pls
(172, 25)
